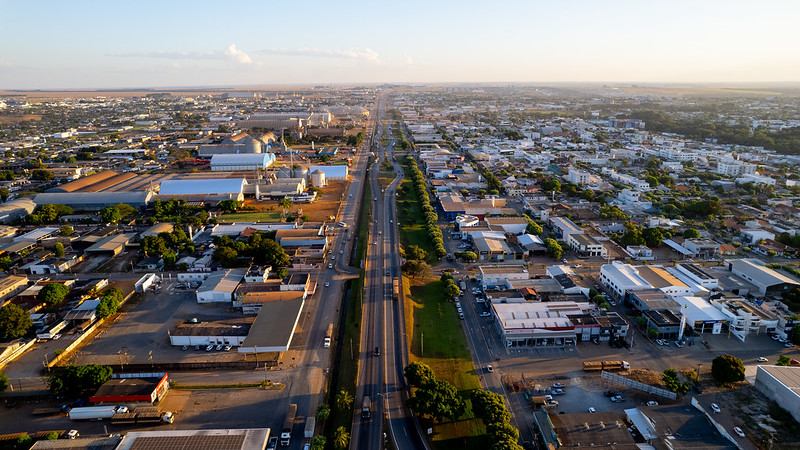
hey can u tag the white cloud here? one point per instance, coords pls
(231, 53)
(238, 55)
(407, 59)
(366, 54)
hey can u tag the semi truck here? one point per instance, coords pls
(328, 335)
(395, 289)
(95, 412)
(155, 417)
(311, 424)
(365, 405)
(605, 365)
(288, 424)
(52, 332)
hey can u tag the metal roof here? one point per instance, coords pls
(274, 327)
(204, 186)
(219, 439)
(242, 158)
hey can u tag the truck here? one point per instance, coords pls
(52, 332)
(311, 424)
(365, 405)
(155, 417)
(328, 335)
(605, 365)
(288, 424)
(95, 412)
(395, 289)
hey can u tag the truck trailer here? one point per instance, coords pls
(311, 424)
(605, 365)
(288, 424)
(95, 412)
(143, 417)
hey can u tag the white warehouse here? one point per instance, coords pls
(241, 162)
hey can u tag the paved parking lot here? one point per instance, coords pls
(144, 326)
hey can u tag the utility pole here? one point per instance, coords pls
(422, 345)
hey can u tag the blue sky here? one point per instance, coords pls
(109, 44)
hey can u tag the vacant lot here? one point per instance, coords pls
(318, 211)
(12, 119)
(250, 217)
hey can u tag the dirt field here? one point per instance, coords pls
(17, 118)
(318, 211)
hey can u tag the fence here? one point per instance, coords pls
(17, 352)
(627, 382)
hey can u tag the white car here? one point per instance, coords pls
(715, 408)
(558, 385)
(592, 410)
(738, 431)
(327, 284)
(458, 305)
(486, 314)
(762, 359)
(489, 369)
(652, 403)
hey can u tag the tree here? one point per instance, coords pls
(652, 332)
(727, 369)
(506, 445)
(489, 406)
(783, 360)
(42, 175)
(76, 381)
(554, 249)
(468, 256)
(653, 237)
(417, 268)
(323, 411)
(416, 252)
(691, 233)
(439, 400)
(66, 230)
(110, 302)
(641, 321)
(318, 442)
(341, 438)
(52, 294)
(110, 214)
(534, 228)
(502, 431)
(226, 256)
(451, 290)
(230, 205)
(5, 263)
(285, 205)
(3, 382)
(418, 373)
(274, 255)
(4, 193)
(651, 180)
(58, 249)
(344, 400)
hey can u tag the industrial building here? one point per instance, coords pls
(95, 201)
(768, 281)
(219, 286)
(274, 327)
(225, 332)
(209, 189)
(132, 388)
(241, 162)
(228, 439)
(16, 209)
(110, 245)
(781, 384)
(332, 173)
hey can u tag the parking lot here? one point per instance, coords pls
(143, 327)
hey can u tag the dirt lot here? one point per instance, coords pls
(318, 211)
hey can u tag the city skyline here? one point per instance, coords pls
(96, 45)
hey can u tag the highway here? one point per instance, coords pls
(381, 373)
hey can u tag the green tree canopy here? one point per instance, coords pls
(727, 369)
(691, 233)
(52, 294)
(416, 252)
(554, 249)
(58, 249)
(418, 373)
(344, 400)
(14, 321)
(76, 381)
(439, 400)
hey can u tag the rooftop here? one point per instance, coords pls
(274, 327)
(224, 439)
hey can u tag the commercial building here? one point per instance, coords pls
(564, 227)
(225, 332)
(768, 281)
(620, 279)
(509, 225)
(705, 248)
(219, 286)
(241, 162)
(274, 327)
(701, 315)
(302, 237)
(228, 439)
(590, 430)
(110, 245)
(586, 245)
(746, 318)
(132, 388)
(781, 384)
(491, 249)
(499, 276)
(11, 285)
(536, 324)
(677, 427)
(696, 274)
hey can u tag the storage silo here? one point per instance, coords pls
(317, 178)
(301, 172)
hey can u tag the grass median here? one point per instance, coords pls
(411, 222)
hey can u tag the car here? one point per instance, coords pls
(486, 314)
(197, 347)
(380, 232)
(377, 351)
(480, 300)
(489, 369)
(458, 305)
(219, 347)
(185, 347)
(307, 446)
(564, 261)
(72, 434)
(209, 347)
(388, 272)
(617, 399)
(592, 410)
(652, 403)
(330, 266)
(612, 303)
(552, 402)
(788, 344)
(775, 337)
(715, 408)
(375, 199)
(391, 221)
(227, 348)
(327, 284)
(341, 252)
(557, 392)
(460, 311)
(333, 257)
(678, 344)
(461, 316)
(374, 242)
(576, 266)
(762, 359)
(738, 432)
(273, 443)
(558, 385)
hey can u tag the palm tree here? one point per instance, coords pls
(341, 438)
(344, 400)
(286, 204)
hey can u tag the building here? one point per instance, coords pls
(156, 229)
(640, 252)
(586, 245)
(332, 173)
(537, 324)
(701, 315)
(619, 279)
(577, 176)
(509, 225)
(564, 227)
(302, 237)
(736, 168)
(678, 427)
(274, 327)
(661, 279)
(499, 276)
(110, 245)
(746, 318)
(591, 430)
(95, 201)
(16, 209)
(207, 189)
(226, 332)
(667, 323)
(492, 249)
(228, 439)
(241, 162)
(132, 388)
(11, 285)
(219, 286)
(768, 281)
(697, 275)
(751, 237)
(705, 248)
(781, 384)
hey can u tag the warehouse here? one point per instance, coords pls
(110, 245)
(95, 201)
(210, 189)
(219, 286)
(768, 281)
(228, 439)
(226, 332)
(781, 384)
(241, 162)
(274, 327)
(132, 388)
(539, 323)
(13, 210)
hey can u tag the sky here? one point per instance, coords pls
(173, 43)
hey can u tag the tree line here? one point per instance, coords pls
(430, 217)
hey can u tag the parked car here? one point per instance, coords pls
(715, 408)
(458, 305)
(185, 347)
(209, 347)
(219, 347)
(489, 369)
(557, 392)
(617, 399)
(227, 348)
(273, 443)
(486, 314)
(558, 385)
(592, 410)
(678, 344)
(738, 431)
(762, 359)
(652, 403)
(461, 316)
